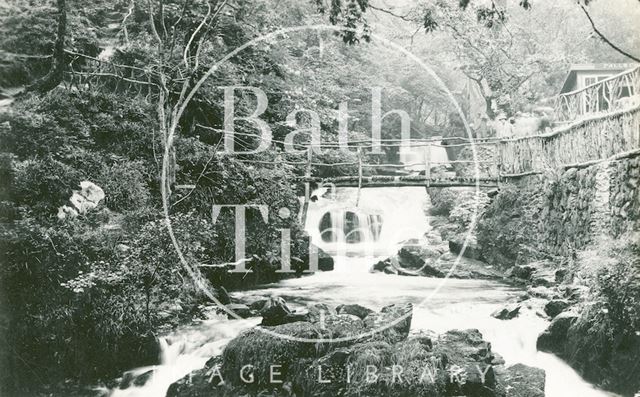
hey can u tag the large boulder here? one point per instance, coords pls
(317, 311)
(413, 255)
(507, 312)
(458, 362)
(462, 346)
(343, 326)
(520, 380)
(521, 272)
(555, 307)
(392, 323)
(355, 309)
(414, 258)
(262, 351)
(471, 251)
(325, 261)
(275, 312)
(86, 198)
(469, 362)
(554, 337)
(371, 371)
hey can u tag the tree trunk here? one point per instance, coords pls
(56, 74)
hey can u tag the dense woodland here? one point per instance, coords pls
(84, 297)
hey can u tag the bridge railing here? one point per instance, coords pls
(598, 137)
(611, 94)
(85, 72)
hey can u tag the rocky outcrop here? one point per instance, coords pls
(555, 307)
(469, 362)
(413, 260)
(554, 337)
(86, 198)
(290, 359)
(523, 381)
(536, 273)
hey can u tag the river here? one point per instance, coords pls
(383, 218)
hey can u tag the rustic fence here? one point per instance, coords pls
(611, 94)
(591, 139)
(90, 73)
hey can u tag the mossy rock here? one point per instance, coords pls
(367, 369)
(262, 350)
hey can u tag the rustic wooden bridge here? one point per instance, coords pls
(402, 180)
(599, 122)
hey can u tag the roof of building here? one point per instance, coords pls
(613, 68)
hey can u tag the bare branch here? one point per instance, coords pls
(124, 22)
(615, 47)
(403, 17)
(195, 32)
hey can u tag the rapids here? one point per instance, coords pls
(359, 237)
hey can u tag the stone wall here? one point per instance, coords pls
(559, 214)
(601, 199)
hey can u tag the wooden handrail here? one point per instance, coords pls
(606, 93)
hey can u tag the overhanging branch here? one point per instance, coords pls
(615, 47)
(403, 17)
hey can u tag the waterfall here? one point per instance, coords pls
(383, 219)
(350, 226)
(415, 156)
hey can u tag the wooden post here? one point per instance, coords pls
(307, 188)
(427, 164)
(359, 175)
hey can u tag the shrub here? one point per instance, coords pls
(468, 205)
(442, 200)
(604, 344)
(124, 185)
(62, 122)
(508, 227)
(101, 296)
(44, 184)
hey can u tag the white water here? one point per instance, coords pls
(439, 304)
(415, 157)
(401, 214)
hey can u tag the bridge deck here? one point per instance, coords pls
(403, 180)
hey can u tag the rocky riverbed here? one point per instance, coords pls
(345, 352)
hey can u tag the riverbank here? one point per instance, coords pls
(568, 239)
